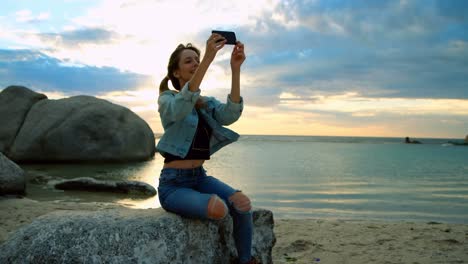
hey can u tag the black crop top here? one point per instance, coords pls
(200, 147)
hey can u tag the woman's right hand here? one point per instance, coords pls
(214, 43)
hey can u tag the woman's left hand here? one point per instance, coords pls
(237, 56)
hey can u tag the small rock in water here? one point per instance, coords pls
(91, 184)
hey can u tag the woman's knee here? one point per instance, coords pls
(241, 202)
(217, 209)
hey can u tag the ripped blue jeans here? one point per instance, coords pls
(186, 192)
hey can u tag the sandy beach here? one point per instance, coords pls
(309, 240)
(357, 242)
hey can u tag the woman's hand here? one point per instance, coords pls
(214, 43)
(237, 56)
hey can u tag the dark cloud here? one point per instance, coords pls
(80, 36)
(387, 49)
(365, 19)
(36, 70)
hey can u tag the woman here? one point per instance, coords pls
(193, 131)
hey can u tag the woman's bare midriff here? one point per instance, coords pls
(184, 164)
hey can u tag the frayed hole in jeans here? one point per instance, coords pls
(217, 209)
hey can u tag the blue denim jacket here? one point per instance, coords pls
(179, 119)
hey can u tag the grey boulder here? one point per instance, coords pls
(132, 236)
(15, 102)
(91, 184)
(82, 128)
(12, 177)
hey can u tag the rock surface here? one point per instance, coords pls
(91, 184)
(12, 177)
(15, 102)
(132, 236)
(79, 128)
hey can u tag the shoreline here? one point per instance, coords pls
(306, 240)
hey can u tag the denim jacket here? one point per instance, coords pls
(179, 119)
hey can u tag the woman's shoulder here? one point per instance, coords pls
(168, 92)
(166, 95)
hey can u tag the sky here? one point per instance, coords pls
(317, 67)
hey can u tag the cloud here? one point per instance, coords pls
(284, 120)
(337, 67)
(97, 46)
(36, 70)
(383, 48)
(26, 16)
(364, 106)
(390, 49)
(374, 21)
(75, 38)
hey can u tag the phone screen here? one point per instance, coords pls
(228, 35)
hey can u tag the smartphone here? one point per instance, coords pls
(228, 35)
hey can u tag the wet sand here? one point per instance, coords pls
(308, 240)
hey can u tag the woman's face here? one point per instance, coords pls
(188, 63)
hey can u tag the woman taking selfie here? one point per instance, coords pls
(193, 131)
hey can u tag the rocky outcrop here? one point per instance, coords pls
(12, 177)
(132, 236)
(91, 184)
(79, 128)
(15, 102)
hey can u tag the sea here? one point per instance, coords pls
(308, 177)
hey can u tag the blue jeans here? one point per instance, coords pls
(186, 192)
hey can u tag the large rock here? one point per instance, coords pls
(91, 184)
(15, 102)
(132, 236)
(12, 177)
(82, 128)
